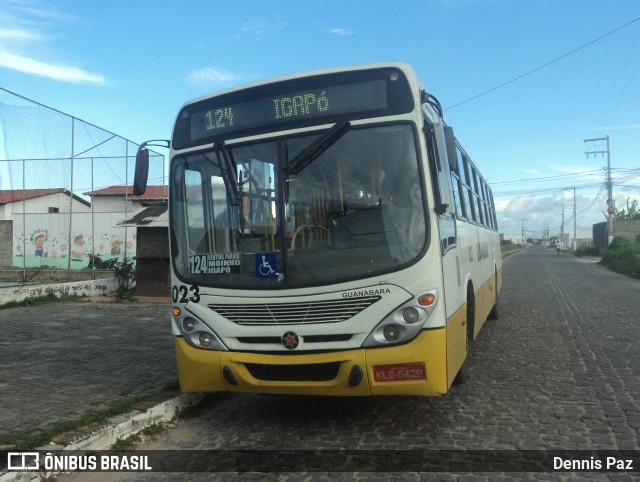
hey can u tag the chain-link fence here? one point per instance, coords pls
(65, 187)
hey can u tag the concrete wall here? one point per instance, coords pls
(6, 243)
(626, 229)
(78, 288)
(52, 275)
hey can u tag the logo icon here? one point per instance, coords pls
(23, 460)
(266, 265)
(290, 340)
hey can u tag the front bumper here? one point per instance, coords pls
(329, 373)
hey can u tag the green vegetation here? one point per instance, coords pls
(509, 247)
(630, 213)
(32, 439)
(131, 441)
(586, 251)
(125, 272)
(623, 256)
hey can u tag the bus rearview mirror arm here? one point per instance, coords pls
(141, 173)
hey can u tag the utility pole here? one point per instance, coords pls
(562, 225)
(574, 243)
(575, 239)
(524, 239)
(610, 203)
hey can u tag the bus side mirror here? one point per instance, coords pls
(142, 172)
(450, 140)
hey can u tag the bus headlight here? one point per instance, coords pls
(405, 322)
(391, 332)
(195, 332)
(205, 339)
(188, 324)
(410, 315)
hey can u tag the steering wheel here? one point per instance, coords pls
(300, 228)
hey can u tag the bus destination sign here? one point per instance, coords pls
(340, 99)
(295, 103)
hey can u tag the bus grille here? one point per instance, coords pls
(320, 372)
(326, 311)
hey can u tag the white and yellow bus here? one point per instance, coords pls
(329, 236)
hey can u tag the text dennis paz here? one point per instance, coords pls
(593, 463)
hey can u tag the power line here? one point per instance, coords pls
(549, 189)
(544, 65)
(546, 178)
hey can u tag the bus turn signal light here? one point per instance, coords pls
(427, 299)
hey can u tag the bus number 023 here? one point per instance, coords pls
(180, 294)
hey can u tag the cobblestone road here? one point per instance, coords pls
(560, 369)
(60, 360)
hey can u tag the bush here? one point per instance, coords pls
(586, 251)
(623, 256)
(125, 272)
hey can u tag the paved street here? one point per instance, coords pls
(59, 360)
(560, 369)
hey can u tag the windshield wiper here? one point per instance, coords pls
(228, 171)
(317, 147)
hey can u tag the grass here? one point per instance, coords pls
(508, 248)
(131, 441)
(32, 439)
(623, 256)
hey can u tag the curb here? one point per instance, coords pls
(121, 426)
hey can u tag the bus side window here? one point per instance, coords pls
(438, 178)
(457, 199)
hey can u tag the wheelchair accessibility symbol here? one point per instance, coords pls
(266, 265)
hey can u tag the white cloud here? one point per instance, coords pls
(211, 76)
(23, 24)
(19, 34)
(340, 31)
(63, 73)
(257, 28)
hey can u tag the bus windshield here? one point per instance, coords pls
(243, 218)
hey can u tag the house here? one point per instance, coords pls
(40, 201)
(112, 204)
(35, 226)
(120, 199)
(58, 229)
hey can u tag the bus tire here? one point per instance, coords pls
(463, 372)
(494, 313)
(471, 315)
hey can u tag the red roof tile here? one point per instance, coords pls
(152, 192)
(16, 195)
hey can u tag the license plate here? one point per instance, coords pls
(400, 373)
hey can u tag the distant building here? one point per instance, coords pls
(40, 201)
(120, 199)
(58, 229)
(34, 227)
(153, 275)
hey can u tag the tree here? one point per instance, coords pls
(630, 213)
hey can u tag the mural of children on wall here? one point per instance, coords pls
(115, 245)
(78, 250)
(39, 237)
(54, 247)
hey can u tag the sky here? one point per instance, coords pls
(523, 82)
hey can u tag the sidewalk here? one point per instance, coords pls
(61, 360)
